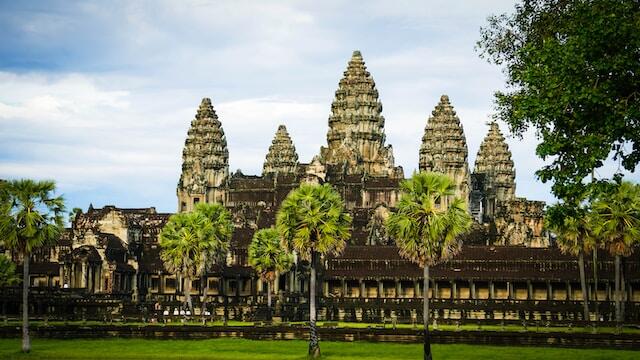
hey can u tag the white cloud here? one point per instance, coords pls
(109, 117)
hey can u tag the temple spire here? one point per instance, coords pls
(282, 157)
(494, 161)
(444, 147)
(205, 160)
(356, 139)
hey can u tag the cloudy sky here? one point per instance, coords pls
(99, 95)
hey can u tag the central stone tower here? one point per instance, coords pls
(356, 140)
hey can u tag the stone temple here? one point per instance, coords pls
(508, 268)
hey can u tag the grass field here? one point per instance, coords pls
(356, 325)
(238, 349)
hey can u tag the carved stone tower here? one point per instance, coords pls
(282, 157)
(205, 160)
(444, 147)
(494, 164)
(355, 140)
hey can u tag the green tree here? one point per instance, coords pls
(74, 213)
(617, 222)
(312, 222)
(573, 76)
(223, 231)
(191, 242)
(31, 216)
(8, 276)
(571, 225)
(426, 226)
(268, 257)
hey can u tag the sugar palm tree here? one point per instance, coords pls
(617, 222)
(223, 231)
(312, 222)
(191, 242)
(426, 227)
(31, 216)
(8, 276)
(268, 257)
(571, 225)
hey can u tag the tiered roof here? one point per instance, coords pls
(356, 127)
(205, 158)
(494, 160)
(444, 146)
(282, 157)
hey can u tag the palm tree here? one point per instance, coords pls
(312, 222)
(617, 222)
(223, 231)
(30, 217)
(191, 242)
(426, 227)
(571, 225)
(8, 276)
(268, 257)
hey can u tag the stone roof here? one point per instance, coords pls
(494, 160)
(444, 146)
(282, 157)
(356, 136)
(499, 263)
(205, 158)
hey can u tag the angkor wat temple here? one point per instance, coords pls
(508, 269)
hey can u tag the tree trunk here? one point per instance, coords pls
(269, 300)
(314, 346)
(187, 295)
(425, 315)
(623, 289)
(583, 285)
(26, 342)
(204, 296)
(616, 296)
(594, 265)
(225, 300)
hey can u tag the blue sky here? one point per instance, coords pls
(99, 95)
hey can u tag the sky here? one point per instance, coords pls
(99, 95)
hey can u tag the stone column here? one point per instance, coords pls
(509, 290)
(472, 290)
(325, 286)
(380, 288)
(436, 290)
(398, 288)
(416, 289)
(492, 290)
(362, 289)
(344, 287)
(569, 291)
(529, 290)
(90, 279)
(83, 280)
(549, 290)
(454, 290)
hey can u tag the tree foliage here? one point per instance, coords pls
(573, 75)
(30, 215)
(617, 218)
(266, 254)
(428, 221)
(572, 226)
(192, 241)
(8, 276)
(313, 218)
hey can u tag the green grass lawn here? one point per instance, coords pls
(223, 349)
(355, 325)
